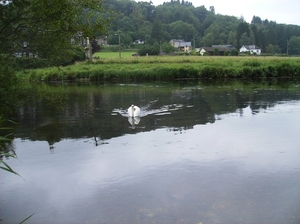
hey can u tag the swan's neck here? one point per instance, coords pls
(132, 112)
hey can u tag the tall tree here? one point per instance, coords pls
(254, 32)
(232, 38)
(212, 35)
(46, 27)
(156, 30)
(256, 20)
(212, 9)
(242, 28)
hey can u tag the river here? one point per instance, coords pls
(200, 152)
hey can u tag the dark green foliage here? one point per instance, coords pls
(46, 28)
(252, 63)
(76, 53)
(149, 49)
(30, 63)
(167, 48)
(288, 70)
(199, 25)
(210, 72)
(294, 45)
(9, 86)
(216, 51)
(270, 71)
(234, 52)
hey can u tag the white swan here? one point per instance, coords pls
(134, 111)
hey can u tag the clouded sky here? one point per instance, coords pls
(280, 11)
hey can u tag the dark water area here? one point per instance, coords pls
(200, 152)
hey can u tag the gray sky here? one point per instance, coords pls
(280, 11)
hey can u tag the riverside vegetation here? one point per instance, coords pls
(165, 68)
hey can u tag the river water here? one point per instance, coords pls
(200, 152)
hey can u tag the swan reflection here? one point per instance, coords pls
(134, 115)
(134, 121)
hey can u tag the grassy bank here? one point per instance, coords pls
(170, 68)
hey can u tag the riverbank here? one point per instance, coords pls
(170, 68)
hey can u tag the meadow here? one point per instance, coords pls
(105, 55)
(108, 66)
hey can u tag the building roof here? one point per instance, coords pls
(211, 49)
(251, 47)
(184, 44)
(177, 40)
(223, 46)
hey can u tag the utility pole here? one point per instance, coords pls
(194, 43)
(160, 47)
(119, 47)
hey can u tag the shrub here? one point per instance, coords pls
(149, 49)
(234, 52)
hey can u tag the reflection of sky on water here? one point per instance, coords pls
(246, 150)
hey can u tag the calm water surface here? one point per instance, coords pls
(199, 153)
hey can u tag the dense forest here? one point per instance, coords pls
(200, 26)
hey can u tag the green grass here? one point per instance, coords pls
(113, 54)
(169, 68)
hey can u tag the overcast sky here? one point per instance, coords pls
(281, 11)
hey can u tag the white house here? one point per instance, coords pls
(139, 41)
(181, 45)
(250, 48)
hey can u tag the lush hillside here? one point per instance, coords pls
(201, 26)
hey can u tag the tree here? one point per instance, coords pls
(254, 32)
(234, 52)
(9, 86)
(252, 38)
(277, 49)
(270, 49)
(216, 51)
(180, 28)
(245, 40)
(46, 27)
(207, 40)
(294, 45)
(212, 35)
(212, 9)
(232, 38)
(242, 28)
(156, 33)
(256, 20)
(167, 47)
(137, 16)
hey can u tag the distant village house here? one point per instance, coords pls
(139, 41)
(181, 45)
(222, 49)
(252, 49)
